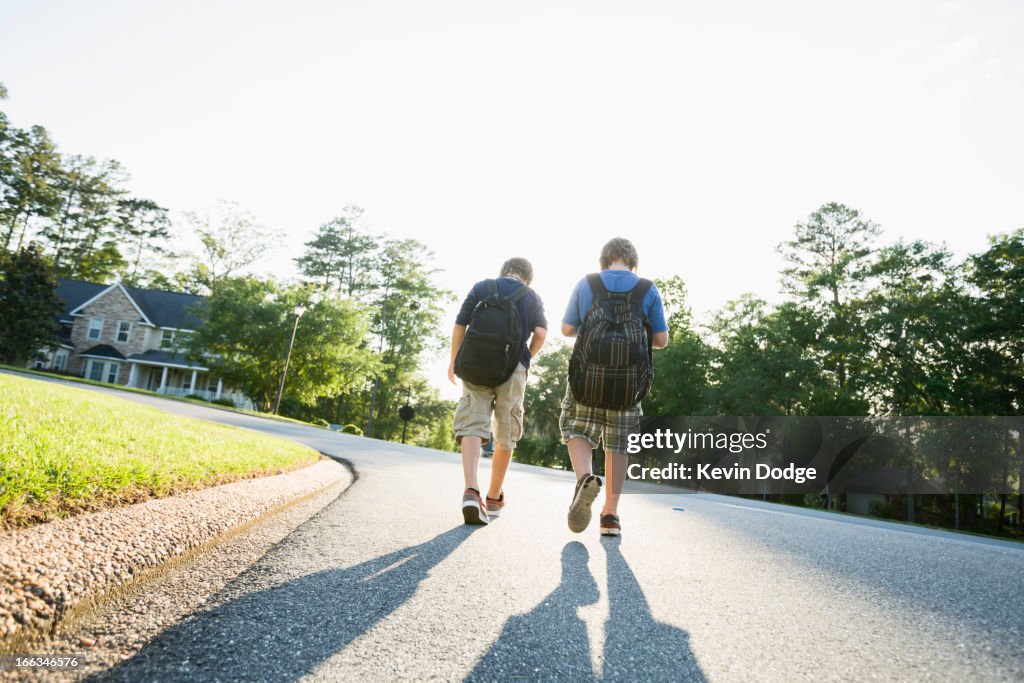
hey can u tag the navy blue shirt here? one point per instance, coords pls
(531, 309)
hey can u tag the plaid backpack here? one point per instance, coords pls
(611, 364)
(493, 343)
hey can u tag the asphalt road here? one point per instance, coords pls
(386, 583)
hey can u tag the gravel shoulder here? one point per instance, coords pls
(55, 573)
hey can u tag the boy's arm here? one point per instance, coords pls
(568, 330)
(656, 318)
(537, 340)
(458, 334)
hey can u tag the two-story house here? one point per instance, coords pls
(130, 336)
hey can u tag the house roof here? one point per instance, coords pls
(103, 351)
(163, 309)
(156, 357)
(74, 293)
(167, 309)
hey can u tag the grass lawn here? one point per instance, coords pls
(64, 451)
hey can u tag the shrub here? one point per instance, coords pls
(223, 401)
(351, 429)
(196, 397)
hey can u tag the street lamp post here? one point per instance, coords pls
(299, 310)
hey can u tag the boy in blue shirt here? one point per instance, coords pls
(584, 427)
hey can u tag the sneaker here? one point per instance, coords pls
(610, 525)
(473, 510)
(494, 505)
(579, 512)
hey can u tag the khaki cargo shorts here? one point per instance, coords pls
(478, 403)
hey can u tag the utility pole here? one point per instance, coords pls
(299, 310)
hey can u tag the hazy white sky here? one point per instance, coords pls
(702, 131)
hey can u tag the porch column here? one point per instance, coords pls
(133, 374)
(192, 387)
(163, 380)
(220, 387)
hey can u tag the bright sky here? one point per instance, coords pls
(700, 130)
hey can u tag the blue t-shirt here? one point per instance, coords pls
(616, 281)
(531, 309)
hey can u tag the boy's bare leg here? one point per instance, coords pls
(615, 465)
(582, 456)
(471, 460)
(499, 466)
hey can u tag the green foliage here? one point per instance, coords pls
(339, 255)
(247, 325)
(223, 401)
(681, 369)
(75, 207)
(545, 390)
(28, 305)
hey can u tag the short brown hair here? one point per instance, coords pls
(619, 249)
(518, 267)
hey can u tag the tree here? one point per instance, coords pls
(338, 256)
(406, 305)
(144, 225)
(763, 365)
(681, 369)
(29, 167)
(994, 378)
(231, 240)
(914, 316)
(542, 402)
(828, 261)
(247, 324)
(29, 305)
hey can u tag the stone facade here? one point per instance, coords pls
(113, 307)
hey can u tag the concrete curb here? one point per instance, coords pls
(49, 571)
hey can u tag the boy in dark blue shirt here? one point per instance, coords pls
(473, 415)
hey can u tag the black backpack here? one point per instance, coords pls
(611, 363)
(493, 344)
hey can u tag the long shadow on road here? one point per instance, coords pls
(285, 632)
(550, 641)
(636, 646)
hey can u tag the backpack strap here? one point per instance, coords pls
(492, 289)
(597, 287)
(639, 291)
(519, 293)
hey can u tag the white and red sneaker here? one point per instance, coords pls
(473, 510)
(495, 505)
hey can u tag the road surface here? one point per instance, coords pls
(385, 583)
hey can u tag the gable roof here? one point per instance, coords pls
(162, 309)
(167, 309)
(74, 293)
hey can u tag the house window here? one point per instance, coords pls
(112, 369)
(167, 339)
(95, 371)
(95, 328)
(60, 361)
(124, 328)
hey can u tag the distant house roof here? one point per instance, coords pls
(173, 360)
(102, 351)
(163, 309)
(74, 293)
(167, 309)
